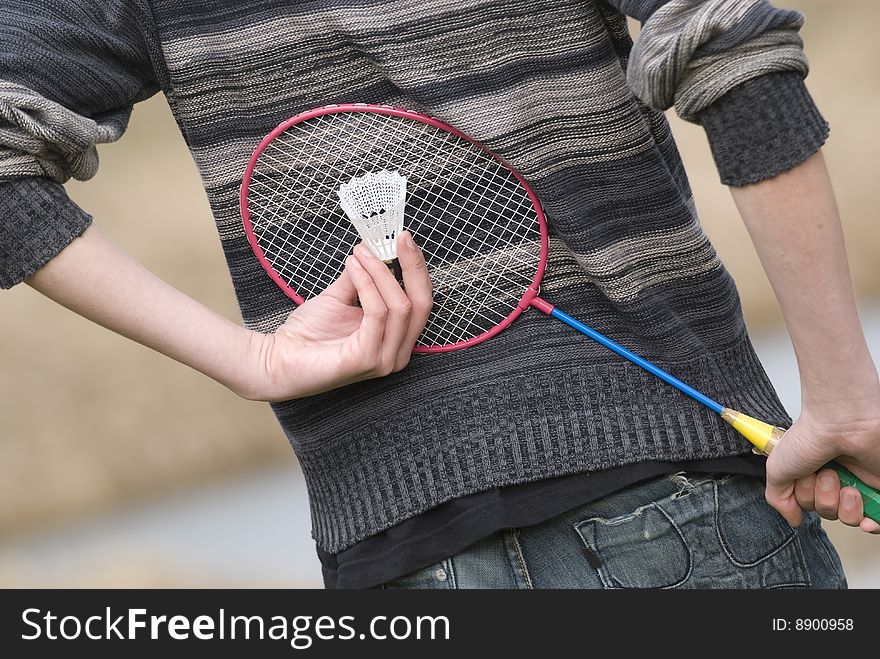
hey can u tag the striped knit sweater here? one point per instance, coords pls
(559, 91)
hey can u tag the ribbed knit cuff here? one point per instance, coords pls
(37, 221)
(763, 128)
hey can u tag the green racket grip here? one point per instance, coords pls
(870, 496)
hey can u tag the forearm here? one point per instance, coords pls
(96, 279)
(794, 224)
(362, 326)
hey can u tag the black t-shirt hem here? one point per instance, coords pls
(451, 527)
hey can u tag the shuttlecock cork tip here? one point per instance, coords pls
(375, 202)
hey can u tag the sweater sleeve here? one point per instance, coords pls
(737, 68)
(70, 72)
(762, 128)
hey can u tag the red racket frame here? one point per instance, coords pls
(528, 299)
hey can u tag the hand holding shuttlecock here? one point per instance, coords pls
(375, 205)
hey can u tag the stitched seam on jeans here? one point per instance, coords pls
(728, 551)
(450, 571)
(804, 569)
(606, 582)
(522, 561)
(825, 545)
(687, 548)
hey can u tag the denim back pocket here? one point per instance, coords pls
(718, 533)
(756, 538)
(644, 549)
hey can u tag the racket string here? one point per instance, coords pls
(492, 252)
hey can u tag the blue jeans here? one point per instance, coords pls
(681, 531)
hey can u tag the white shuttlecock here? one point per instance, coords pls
(375, 205)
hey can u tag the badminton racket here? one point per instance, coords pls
(479, 224)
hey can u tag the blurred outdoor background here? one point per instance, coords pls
(119, 467)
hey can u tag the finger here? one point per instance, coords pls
(805, 492)
(850, 510)
(418, 289)
(343, 288)
(372, 327)
(781, 497)
(396, 302)
(827, 494)
(870, 526)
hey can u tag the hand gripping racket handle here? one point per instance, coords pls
(762, 435)
(765, 437)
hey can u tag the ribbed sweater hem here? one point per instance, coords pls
(531, 426)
